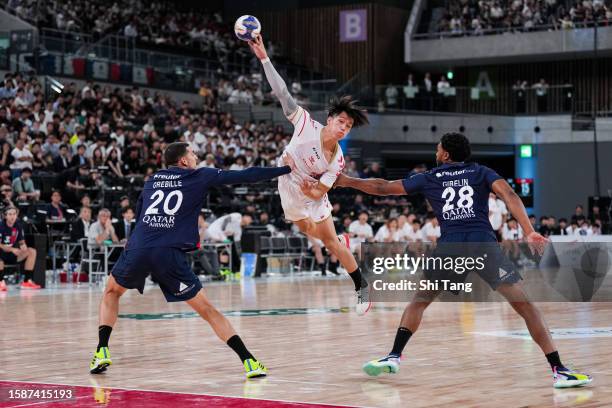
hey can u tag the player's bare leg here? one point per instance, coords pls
(109, 310)
(29, 255)
(413, 313)
(326, 232)
(411, 319)
(109, 305)
(224, 330)
(536, 325)
(219, 323)
(562, 377)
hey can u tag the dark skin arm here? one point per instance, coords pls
(503, 190)
(373, 186)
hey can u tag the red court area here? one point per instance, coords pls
(23, 394)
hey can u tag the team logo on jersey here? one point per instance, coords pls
(314, 149)
(454, 173)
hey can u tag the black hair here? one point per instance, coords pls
(174, 152)
(126, 209)
(457, 146)
(347, 104)
(563, 220)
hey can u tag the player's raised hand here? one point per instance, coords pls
(258, 47)
(537, 243)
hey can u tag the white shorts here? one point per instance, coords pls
(297, 206)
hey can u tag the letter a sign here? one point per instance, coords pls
(353, 25)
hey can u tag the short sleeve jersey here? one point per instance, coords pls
(11, 235)
(458, 194)
(306, 148)
(168, 209)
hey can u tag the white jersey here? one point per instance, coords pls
(306, 148)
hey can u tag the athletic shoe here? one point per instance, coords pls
(34, 285)
(566, 378)
(226, 274)
(100, 361)
(363, 300)
(388, 364)
(254, 368)
(3, 287)
(345, 240)
(29, 285)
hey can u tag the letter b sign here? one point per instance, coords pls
(353, 25)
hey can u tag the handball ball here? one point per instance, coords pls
(247, 28)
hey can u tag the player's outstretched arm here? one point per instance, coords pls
(277, 83)
(255, 174)
(502, 189)
(373, 186)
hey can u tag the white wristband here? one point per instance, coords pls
(263, 61)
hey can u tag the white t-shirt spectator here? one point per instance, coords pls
(363, 231)
(429, 230)
(18, 154)
(227, 223)
(236, 166)
(383, 234)
(497, 210)
(405, 231)
(414, 236)
(512, 234)
(570, 230)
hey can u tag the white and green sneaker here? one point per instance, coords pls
(566, 378)
(389, 364)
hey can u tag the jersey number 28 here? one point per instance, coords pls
(465, 198)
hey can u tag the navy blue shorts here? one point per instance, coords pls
(168, 266)
(497, 268)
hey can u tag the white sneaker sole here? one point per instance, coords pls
(362, 308)
(571, 383)
(376, 369)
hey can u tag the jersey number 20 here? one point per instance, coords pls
(158, 197)
(465, 198)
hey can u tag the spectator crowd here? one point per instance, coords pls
(93, 138)
(477, 17)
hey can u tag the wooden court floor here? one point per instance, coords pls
(465, 355)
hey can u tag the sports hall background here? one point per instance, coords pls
(95, 90)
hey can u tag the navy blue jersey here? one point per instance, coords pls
(458, 194)
(11, 236)
(168, 208)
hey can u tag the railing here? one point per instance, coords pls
(501, 100)
(171, 71)
(501, 30)
(556, 99)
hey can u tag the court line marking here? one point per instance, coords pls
(186, 393)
